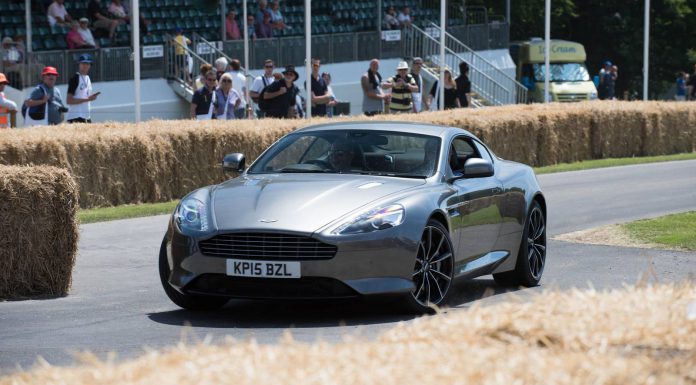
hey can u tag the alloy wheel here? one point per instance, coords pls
(432, 275)
(536, 243)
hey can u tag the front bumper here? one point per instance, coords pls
(376, 263)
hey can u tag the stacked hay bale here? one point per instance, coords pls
(38, 231)
(162, 160)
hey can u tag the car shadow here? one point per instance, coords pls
(321, 313)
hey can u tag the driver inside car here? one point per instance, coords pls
(341, 155)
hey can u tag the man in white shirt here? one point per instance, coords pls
(260, 82)
(86, 33)
(58, 15)
(405, 17)
(80, 94)
(239, 85)
(419, 101)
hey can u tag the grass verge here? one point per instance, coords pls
(126, 211)
(676, 230)
(611, 162)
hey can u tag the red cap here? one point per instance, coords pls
(3, 79)
(49, 71)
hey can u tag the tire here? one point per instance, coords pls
(186, 301)
(435, 248)
(531, 258)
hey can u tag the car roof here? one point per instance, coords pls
(407, 127)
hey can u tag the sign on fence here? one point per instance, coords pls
(152, 51)
(391, 35)
(433, 32)
(205, 48)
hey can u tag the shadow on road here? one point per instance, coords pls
(319, 313)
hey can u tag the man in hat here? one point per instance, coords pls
(8, 108)
(86, 33)
(80, 93)
(46, 92)
(402, 85)
(281, 95)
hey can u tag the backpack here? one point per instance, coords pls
(37, 112)
(257, 98)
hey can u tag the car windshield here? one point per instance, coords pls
(384, 153)
(562, 72)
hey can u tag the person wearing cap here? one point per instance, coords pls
(47, 93)
(80, 94)
(232, 31)
(74, 38)
(605, 77)
(86, 33)
(419, 99)
(7, 107)
(402, 85)
(281, 95)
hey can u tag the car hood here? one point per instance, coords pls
(297, 202)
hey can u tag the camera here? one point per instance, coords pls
(63, 109)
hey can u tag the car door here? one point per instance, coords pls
(474, 213)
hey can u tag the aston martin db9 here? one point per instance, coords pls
(357, 209)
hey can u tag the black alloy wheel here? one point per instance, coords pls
(434, 268)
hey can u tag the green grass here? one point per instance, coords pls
(677, 230)
(125, 211)
(611, 162)
(147, 209)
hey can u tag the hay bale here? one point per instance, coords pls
(38, 233)
(162, 160)
(633, 335)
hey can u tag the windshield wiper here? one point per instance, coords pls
(395, 175)
(303, 171)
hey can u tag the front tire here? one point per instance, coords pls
(186, 301)
(434, 269)
(531, 259)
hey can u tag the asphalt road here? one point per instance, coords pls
(116, 302)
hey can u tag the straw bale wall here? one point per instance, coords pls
(162, 160)
(38, 231)
(644, 335)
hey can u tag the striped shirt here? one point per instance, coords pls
(401, 100)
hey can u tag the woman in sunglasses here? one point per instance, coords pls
(227, 99)
(203, 102)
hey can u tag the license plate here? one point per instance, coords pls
(263, 269)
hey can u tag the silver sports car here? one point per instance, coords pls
(356, 209)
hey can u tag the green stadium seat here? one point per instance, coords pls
(147, 39)
(61, 43)
(49, 44)
(5, 20)
(104, 42)
(37, 45)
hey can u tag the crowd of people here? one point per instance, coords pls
(685, 86)
(262, 24)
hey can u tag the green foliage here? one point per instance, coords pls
(677, 230)
(611, 162)
(612, 30)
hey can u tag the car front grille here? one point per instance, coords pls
(571, 97)
(266, 246)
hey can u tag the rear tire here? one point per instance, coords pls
(433, 271)
(186, 301)
(531, 259)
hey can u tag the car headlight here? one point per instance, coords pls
(593, 95)
(376, 219)
(192, 214)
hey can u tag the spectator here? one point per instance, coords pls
(264, 29)
(276, 16)
(402, 85)
(251, 27)
(181, 55)
(260, 82)
(13, 61)
(221, 65)
(451, 100)
(204, 99)
(231, 26)
(418, 99)
(74, 39)
(86, 33)
(390, 20)
(691, 85)
(227, 100)
(45, 104)
(329, 91)
(463, 86)
(7, 106)
(281, 96)
(102, 24)
(239, 84)
(373, 96)
(200, 80)
(57, 14)
(80, 96)
(262, 12)
(680, 94)
(320, 97)
(608, 81)
(603, 74)
(120, 13)
(405, 18)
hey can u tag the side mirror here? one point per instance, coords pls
(233, 162)
(477, 168)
